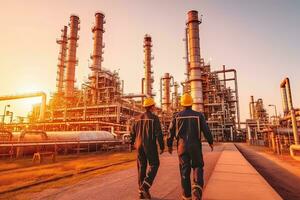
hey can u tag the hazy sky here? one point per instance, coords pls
(259, 38)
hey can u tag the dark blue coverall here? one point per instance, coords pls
(145, 132)
(186, 127)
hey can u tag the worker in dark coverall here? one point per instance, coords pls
(145, 132)
(186, 127)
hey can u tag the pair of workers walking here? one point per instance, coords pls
(186, 126)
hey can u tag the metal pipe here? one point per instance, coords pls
(148, 80)
(194, 58)
(288, 98)
(236, 92)
(289, 94)
(97, 58)
(284, 100)
(286, 95)
(63, 41)
(294, 127)
(71, 58)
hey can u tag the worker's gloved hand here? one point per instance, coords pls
(162, 151)
(170, 150)
(211, 147)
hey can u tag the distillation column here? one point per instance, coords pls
(61, 61)
(71, 59)
(166, 100)
(148, 79)
(96, 57)
(194, 59)
(176, 96)
(251, 108)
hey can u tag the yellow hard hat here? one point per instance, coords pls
(186, 100)
(148, 102)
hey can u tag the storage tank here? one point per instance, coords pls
(80, 135)
(38, 136)
(63, 135)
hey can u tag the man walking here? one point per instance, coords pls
(186, 127)
(145, 131)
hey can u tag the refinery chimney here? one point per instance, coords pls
(176, 96)
(194, 60)
(61, 60)
(148, 79)
(166, 100)
(71, 58)
(96, 57)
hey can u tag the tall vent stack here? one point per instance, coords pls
(194, 59)
(176, 96)
(61, 60)
(166, 100)
(252, 109)
(71, 58)
(148, 79)
(96, 57)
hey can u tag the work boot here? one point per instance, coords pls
(146, 194)
(197, 192)
(141, 196)
(145, 191)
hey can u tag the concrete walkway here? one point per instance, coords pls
(234, 179)
(227, 176)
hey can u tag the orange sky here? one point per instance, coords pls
(259, 43)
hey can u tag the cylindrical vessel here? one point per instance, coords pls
(289, 94)
(187, 54)
(284, 100)
(61, 61)
(96, 57)
(148, 80)
(166, 100)
(194, 59)
(176, 96)
(252, 110)
(294, 126)
(71, 59)
(286, 94)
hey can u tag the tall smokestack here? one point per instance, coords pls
(148, 80)
(61, 61)
(97, 59)
(252, 108)
(194, 59)
(176, 96)
(166, 100)
(71, 59)
(187, 53)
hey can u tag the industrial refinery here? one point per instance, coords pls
(101, 104)
(96, 116)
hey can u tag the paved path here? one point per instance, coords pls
(285, 179)
(122, 185)
(227, 173)
(235, 179)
